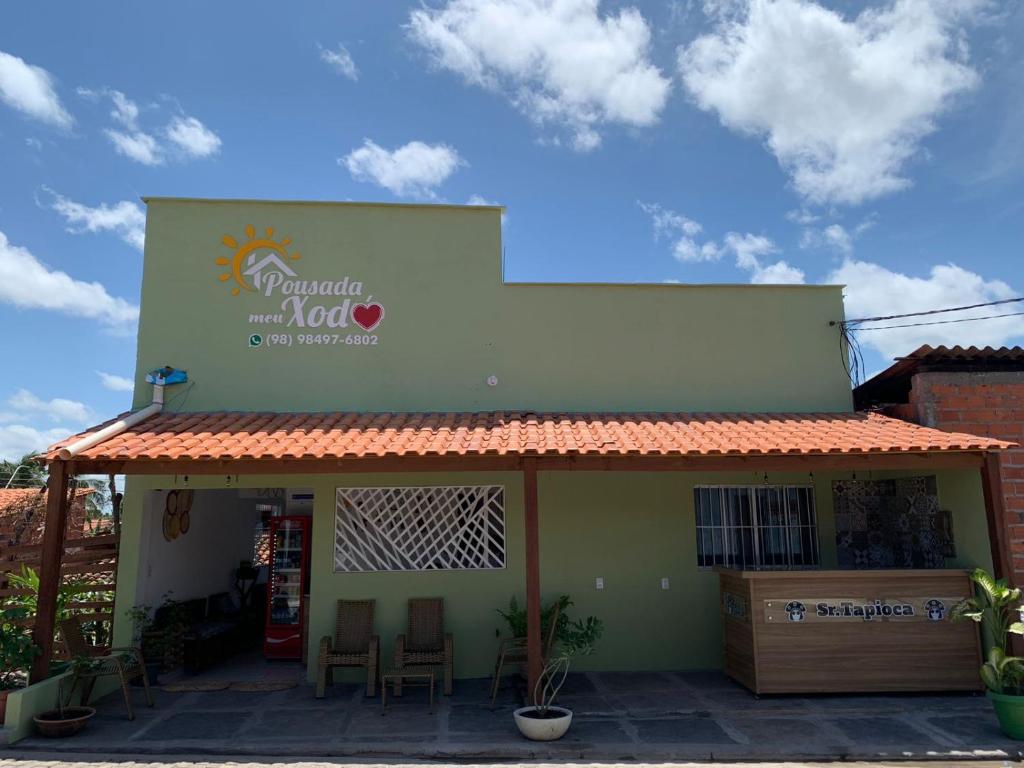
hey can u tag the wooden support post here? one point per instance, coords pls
(995, 515)
(534, 663)
(49, 568)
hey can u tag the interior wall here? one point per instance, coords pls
(202, 561)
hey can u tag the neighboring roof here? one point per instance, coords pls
(893, 384)
(10, 497)
(257, 436)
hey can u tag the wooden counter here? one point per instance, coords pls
(847, 631)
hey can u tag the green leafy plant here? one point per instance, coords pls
(141, 617)
(516, 617)
(17, 650)
(996, 606)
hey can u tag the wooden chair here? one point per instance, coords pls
(355, 645)
(513, 650)
(125, 663)
(425, 643)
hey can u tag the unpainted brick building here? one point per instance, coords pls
(963, 389)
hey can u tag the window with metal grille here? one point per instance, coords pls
(769, 526)
(419, 529)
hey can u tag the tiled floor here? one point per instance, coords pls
(618, 716)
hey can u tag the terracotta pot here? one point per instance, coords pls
(55, 723)
(547, 728)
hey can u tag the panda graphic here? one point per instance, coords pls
(936, 610)
(795, 610)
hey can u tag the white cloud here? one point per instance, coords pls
(125, 218)
(116, 383)
(340, 60)
(415, 169)
(873, 290)
(29, 89)
(186, 137)
(781, 272)
(683, 231)
(17, 440)
(192, 137)
(33, 143)
(59, 409)
(27, 283)
(137, 146)
(834, 236)
(842, 103)
(749, 250)
(558, 61)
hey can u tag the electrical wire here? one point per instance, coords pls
(925, 312)
(849, 346)
(940, 322)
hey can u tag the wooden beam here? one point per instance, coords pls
(995, 515)
(534, 663)
(52, 551)
(903, 460)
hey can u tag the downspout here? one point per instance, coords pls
(69, 451)
(158, 378)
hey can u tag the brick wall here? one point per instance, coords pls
(990, 404)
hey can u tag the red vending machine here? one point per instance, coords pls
(286, 587)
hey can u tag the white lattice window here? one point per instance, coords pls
(419, 529)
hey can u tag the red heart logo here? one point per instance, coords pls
(368, 316)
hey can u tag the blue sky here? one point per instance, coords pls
(876, 144)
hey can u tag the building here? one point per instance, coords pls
(960, 389)
(22, 516)
(365, 367)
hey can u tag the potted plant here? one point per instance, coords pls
(543, 721)
(996, 607)
(141, 617)
(66, 720)
(16, 654)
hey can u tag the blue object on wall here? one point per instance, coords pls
(167, 375)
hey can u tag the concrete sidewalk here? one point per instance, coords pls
(644, 717)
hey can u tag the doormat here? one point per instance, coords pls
(185, 685)
(262, 686)
(258, 686)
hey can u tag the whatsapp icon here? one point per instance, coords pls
(255, 340)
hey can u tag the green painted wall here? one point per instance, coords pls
(450, 323)
(632, 529)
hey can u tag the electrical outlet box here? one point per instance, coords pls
(664, 583)
(599, 582)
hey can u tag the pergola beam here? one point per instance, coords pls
(901, 460)
(995, 515)
(52, 553)
(534, 653)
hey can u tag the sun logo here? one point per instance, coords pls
(246, 270)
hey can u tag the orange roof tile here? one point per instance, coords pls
(231, 435)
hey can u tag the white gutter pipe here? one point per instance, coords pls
(117, 427)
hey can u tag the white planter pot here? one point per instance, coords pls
(546, 729)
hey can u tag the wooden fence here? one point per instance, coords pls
(88, 580)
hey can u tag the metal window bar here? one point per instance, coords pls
(764, 527)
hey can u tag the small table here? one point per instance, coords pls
(403, 676)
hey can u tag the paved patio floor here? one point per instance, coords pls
(618, 717)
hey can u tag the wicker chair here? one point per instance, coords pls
(425, 643)
(355, 645)
(126, 663)
(514, 651)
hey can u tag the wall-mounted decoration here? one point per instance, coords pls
(419, 529)
(892, 523)
(177, 517)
